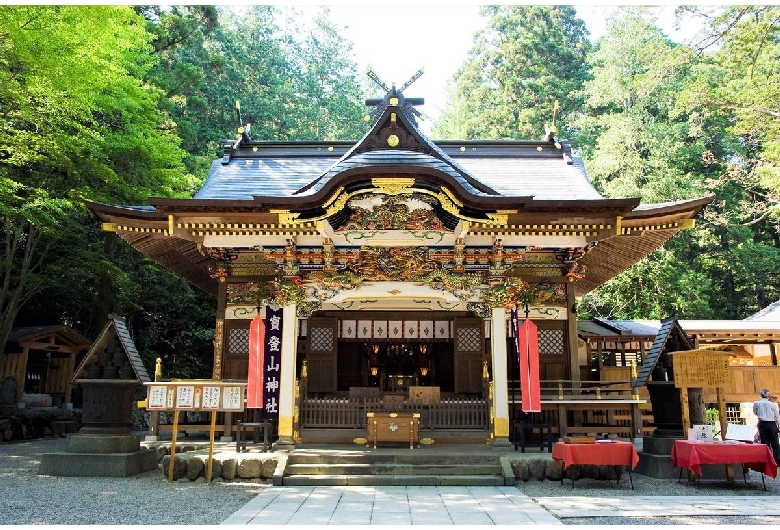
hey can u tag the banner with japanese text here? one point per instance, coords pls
(272, 362)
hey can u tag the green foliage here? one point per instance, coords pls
(293, 82)
(130, 108)
(631, 136)
(77, 122)
(661, 122)
(525, 59)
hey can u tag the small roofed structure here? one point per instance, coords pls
(113, 356)
(41, 360)
(110, 375)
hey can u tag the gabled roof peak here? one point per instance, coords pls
(393, 136)
(394, 97)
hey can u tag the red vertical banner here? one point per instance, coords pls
(528, 353)
(255, 383)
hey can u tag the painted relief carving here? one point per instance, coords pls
(462, 285)
(515, 292)
(393, 264)
(408, 211)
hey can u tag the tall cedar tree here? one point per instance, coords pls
(525, 59)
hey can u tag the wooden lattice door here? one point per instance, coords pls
(553, 363)
(236, 357)
(321, 354)
(469, 352)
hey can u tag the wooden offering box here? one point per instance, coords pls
(579, 440)
(393, 427)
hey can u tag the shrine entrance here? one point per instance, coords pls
(394, 367)
(392, 353)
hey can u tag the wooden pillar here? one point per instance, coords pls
(724, 421)
(696, 404)
(600, 355)
(571, 333)
(287, 376)
(498, 353)
(70, 366)
(22, 371)
(219, 354)
(686, 413)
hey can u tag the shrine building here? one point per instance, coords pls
(393, 263)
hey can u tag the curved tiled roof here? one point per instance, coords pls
(518, 174)
(528, 181)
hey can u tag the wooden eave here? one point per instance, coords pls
(640, 234)
(151, 238)
(61, 339)
(178, 255)
(736, 337)
(615, 338)
(527, 205)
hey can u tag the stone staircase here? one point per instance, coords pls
(412, 468)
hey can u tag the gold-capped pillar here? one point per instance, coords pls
(500, 388)
(287, 377)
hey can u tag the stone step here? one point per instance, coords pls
(417, 457)
(392, 469)
(393, 480)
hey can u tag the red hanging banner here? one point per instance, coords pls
(528, 353)
(255, 383)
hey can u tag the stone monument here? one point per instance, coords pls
(8, 395)
(105, 446)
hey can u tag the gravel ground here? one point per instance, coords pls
(148, 499)
(646, 486)
(143, 499)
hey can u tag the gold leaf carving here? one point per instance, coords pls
(392, 186)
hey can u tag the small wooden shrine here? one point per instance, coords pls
(41, 359)
(395, 260)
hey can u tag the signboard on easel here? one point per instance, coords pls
(195, 395)
(701, 369)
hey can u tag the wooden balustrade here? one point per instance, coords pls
(452, 413)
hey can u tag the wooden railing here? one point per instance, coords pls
(451, 413)
(570, 389)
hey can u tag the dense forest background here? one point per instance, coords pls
(135, 107)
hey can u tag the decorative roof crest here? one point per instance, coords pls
(394, 98)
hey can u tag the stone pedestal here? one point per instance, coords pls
(92, 455)
(655, 461)
(654, 458)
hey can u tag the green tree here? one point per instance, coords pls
(630, 134)
(525, 59)
(182, 63)
(77, 123)
(329, 97)
(736, 89)
(654, 126)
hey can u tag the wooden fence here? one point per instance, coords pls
(453, 413)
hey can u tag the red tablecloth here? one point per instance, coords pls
(692, 455)
(614, 453)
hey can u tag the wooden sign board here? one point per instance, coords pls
(701, 368)
(196, 395)
(424, 395)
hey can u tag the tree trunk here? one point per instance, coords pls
(105, 293)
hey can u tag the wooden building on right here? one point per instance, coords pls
(607, 348)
